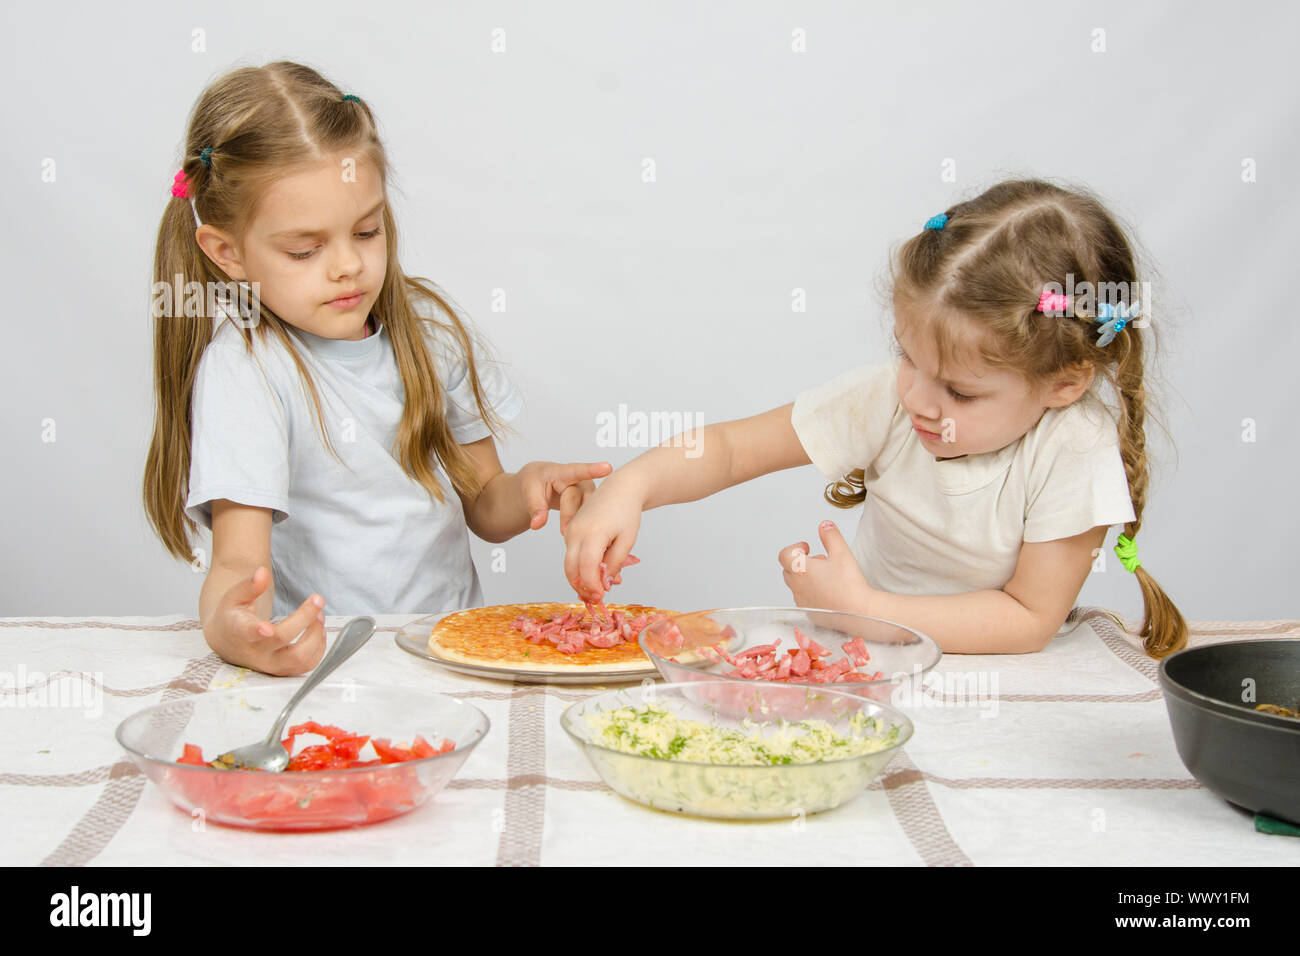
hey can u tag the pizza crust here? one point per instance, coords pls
(483, 637)
(642, 666)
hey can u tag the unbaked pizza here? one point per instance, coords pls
(578, 637)
(591, 637)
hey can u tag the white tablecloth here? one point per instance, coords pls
(1063, 757)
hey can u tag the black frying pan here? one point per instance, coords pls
(1247, 757)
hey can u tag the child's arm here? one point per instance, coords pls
(509, 503)
(1020, 618)
(686, 467)
(237, 596)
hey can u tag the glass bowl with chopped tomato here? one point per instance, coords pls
(849, 653)
(359, 753)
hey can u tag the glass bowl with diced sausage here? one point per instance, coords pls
(736, 750)
(848, 653)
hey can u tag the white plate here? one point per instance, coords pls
(414, 639)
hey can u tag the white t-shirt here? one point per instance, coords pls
(949, 527)
(366, 537)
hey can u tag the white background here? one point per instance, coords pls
(775, 170)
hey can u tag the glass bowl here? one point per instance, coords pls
(218, 721)
(897, 651)
(756, 710)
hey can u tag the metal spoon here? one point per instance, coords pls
(270, 754)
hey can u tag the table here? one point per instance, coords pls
(1063, 757)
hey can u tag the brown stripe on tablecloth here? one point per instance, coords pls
(546, 690)
(82, 778)
(906, 788)
(525, 803)
(1243, 627)
(1146, 695)
(104, 625)
(1064, 783)
(960, 699)
(917, 814)
(1148, 667)
(1134, 628)
(904, 776)
(125, 783)
(1236, 629)
(1103, 625)
(87, 677)
(525, 780)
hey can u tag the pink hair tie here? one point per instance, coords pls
(180, 188)
(1053, 302)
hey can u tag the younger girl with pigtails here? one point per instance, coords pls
(987, 460)
(313, 429)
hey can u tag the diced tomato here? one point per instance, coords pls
(349, 747)
(341, 751)
(323, 730)
(316, 757)
(388, 753)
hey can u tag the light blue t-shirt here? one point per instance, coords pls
(367, 537)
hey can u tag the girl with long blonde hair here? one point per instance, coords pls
(313, 401)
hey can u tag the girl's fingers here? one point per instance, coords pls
(563, 477)
(571, 564)
(560, 478)
(577, 471)
(570, 501)
(573, 539)
(303, 656)
(615, 557)
(284, 632)
(247, 590)
(537, 498)
(787, 555)
(593, 551)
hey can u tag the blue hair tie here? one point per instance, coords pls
(352, 97)
(1113, 318)
(937, 222)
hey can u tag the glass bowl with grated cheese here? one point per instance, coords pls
(736, 750)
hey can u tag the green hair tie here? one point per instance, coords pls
(1127, 552)
(349, 96)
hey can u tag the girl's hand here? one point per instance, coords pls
(549, 485)
(604, 530)
(249, 641)
(833, 580)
